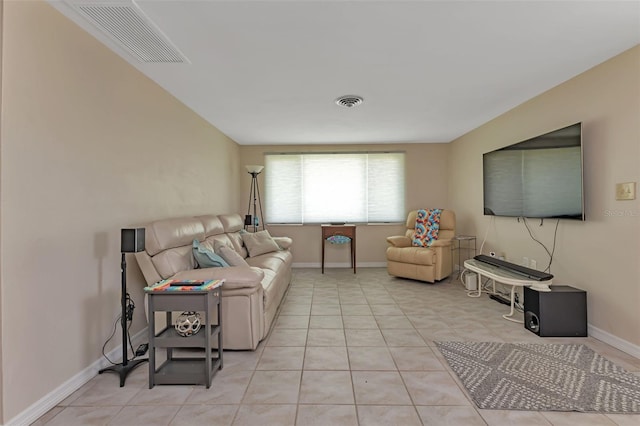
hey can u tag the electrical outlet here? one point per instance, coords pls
(534, 264)
(626, 191)
(525, 261)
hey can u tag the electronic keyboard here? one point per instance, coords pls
(520, 270)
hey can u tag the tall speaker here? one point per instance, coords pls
(561, 312)
(131, 240)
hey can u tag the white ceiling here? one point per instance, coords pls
(267, 72)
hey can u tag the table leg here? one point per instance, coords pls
(323, 243)
(353, 253)
(509, 316)
(152, 347)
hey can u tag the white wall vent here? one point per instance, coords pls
(128, 26)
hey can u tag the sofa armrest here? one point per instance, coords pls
(149, 271)
(441, 243)
(283, 242)
(235, 276)
(399, 241)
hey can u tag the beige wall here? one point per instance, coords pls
(427, 175)
(600, 255)
(88, 145)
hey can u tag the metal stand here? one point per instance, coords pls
(254, 194)
(456, 245)
(125, 367)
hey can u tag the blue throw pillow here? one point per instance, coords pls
(207, 258)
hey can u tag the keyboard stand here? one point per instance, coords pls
(506, 277)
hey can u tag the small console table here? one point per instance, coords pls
(181, 370)
(503, 276)
(348, 231)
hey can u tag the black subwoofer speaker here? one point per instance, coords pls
(561, 312)
(131, 240)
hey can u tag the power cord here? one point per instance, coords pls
(113, 333)
(553, 250)
(130, 307)
(493, 218)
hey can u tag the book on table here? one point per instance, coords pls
(184, 285)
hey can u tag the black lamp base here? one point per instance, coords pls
(123, 370)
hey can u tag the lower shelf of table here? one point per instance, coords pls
(185, 371)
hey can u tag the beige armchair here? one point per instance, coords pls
(422, 263)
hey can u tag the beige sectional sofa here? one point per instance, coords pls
(251, 294)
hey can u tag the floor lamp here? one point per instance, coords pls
(254, 196)
(131, 241)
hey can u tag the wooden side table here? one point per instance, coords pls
(340, 230)
(179, 370)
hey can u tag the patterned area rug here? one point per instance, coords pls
(547, 377)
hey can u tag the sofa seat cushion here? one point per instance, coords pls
(236, 277)
(414, 255)
(275, 261)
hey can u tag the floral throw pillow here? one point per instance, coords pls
(427, 227)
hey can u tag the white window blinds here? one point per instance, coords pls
(349, 187)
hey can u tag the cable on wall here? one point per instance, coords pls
(553, 249)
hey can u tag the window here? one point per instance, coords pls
(349, 187)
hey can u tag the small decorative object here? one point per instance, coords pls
(188, 323)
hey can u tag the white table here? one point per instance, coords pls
(503, 276)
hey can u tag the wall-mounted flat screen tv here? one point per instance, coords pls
(540, 177)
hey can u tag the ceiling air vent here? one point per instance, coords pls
(349, 101)
(128, 26)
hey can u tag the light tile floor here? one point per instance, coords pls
(346, 349)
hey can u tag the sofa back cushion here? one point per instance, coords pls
(238, 245)
(231, 222)
(170, 233)
(172, 261)
(233, 225)
(168, 242)
(212, 225)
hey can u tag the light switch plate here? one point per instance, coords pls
(626, 191)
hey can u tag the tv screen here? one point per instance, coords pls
(538, 178)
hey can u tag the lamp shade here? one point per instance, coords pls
(131, 240)
(254, 169)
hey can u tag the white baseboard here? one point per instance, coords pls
(53, 398)
(615, 341)
(318, 265)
